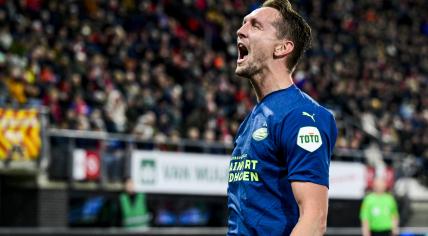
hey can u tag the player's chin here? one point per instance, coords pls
(241, 71)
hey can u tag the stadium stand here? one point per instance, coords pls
(164, 69)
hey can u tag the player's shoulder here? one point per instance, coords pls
(310, 112)
(309, 117)
(301, 104)
(295, 106)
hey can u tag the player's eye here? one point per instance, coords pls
(256, 25)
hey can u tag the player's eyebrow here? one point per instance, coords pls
(252, 19)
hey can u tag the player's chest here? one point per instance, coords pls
(256, 139)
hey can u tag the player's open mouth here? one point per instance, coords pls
(242, 52)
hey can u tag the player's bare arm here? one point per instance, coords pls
(313, 207)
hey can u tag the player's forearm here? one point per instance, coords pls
(312, 224)
(313, 207)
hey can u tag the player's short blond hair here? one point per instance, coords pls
(293, 27)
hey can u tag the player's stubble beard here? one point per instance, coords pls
(252, 66)
(253, 69)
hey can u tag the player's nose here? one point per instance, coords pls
(242, 32)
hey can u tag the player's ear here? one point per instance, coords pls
(283, 49)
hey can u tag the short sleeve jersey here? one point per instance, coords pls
(287, 137)
(379, 210)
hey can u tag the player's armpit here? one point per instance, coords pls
(313, 206)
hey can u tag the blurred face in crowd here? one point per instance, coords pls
(379, 185)
(129, 186)
(257, 39)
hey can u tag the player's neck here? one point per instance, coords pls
(268, 81)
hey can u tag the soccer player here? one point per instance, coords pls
(278, 173)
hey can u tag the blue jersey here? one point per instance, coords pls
(287, 137)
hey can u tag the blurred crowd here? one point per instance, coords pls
(164, 70)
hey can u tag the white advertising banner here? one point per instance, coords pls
(188, 173)
(347, 180)
(180, 173)
(79, 163)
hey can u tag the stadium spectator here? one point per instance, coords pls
(133, 207)
(379, 214)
